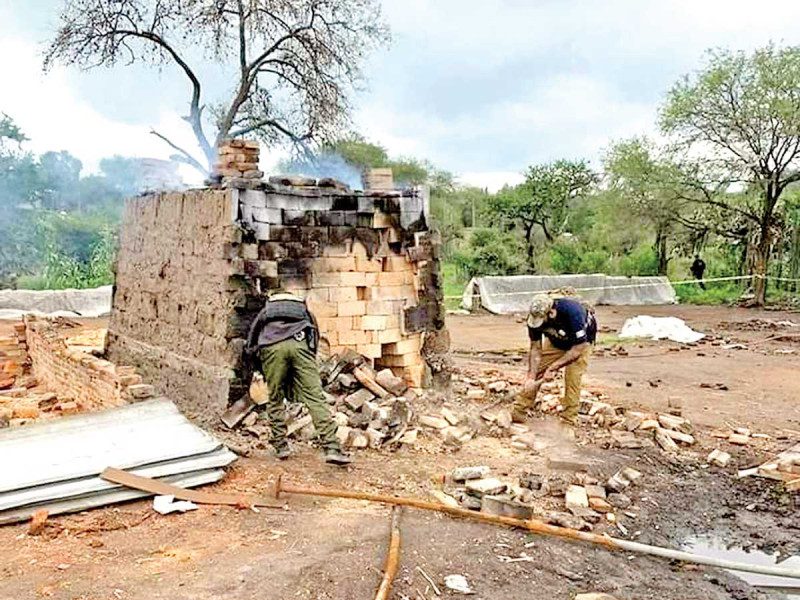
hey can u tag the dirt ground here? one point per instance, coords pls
(334, 549)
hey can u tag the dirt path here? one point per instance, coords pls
(763, 385)
(334, 549)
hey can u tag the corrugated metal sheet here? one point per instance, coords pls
(56, 464)
(119, 494)
(87, 485)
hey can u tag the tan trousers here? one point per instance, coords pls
(573, 373)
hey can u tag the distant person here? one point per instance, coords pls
(698, 268)
(562, 331)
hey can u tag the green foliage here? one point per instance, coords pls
(741, 113)
(543, 201)
(490, 252)
(78, 250)
(642, 261)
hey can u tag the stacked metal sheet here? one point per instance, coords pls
(55, 465)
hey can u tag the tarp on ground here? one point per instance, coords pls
(93, 302)
(512, 294)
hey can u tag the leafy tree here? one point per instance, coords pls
(654, 188)
(19, 190)
(490, 252)
(294, 62)
(543, 200)
(742, 114)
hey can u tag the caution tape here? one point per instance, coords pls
(621, 287)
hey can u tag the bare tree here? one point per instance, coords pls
(295, 61)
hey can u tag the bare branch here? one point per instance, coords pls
(187, 157)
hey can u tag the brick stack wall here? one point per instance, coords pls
(363, 260)
(194, 268)
(13, 356)
(91, 382)
(174, 295)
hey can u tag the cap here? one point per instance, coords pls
(540, 306)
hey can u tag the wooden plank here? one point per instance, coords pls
(368, 382)
(165, 489)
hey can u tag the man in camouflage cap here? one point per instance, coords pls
(562, 331)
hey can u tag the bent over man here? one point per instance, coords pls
(561, 331)
(284, 338)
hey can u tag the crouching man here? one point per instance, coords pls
(561, 331)
(283, 338)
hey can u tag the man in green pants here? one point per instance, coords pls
(284, 337)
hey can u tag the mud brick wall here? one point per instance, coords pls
(71, 374)
(194, 268)
(173, 296)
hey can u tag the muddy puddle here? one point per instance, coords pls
(777, 587)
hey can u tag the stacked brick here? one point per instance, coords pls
(76, 376)
(174, 296)
(237, 160)
(194, 268)
(13, 356)
(362, 260)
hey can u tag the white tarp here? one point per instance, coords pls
(508, 295)
(93, 302)
(660, 328)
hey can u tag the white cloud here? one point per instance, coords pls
(481, 87)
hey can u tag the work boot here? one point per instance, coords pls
(282, 452)
(338, 458)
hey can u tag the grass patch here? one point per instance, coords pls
(726, 292)
(453, 285)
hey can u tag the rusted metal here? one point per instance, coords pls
(529, 525)
(392, 556)
(539, 527)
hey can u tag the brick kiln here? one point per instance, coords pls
(195, 267)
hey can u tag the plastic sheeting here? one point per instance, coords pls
(93, 302)
(509, 295)
(660, 328)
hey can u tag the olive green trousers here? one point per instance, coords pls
(573, 374)
(290, 371)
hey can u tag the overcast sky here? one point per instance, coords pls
(482, 88)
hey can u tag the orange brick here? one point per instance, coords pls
(393, 278)
(343, 294)
(415, 376)
(396, 263)
(371, 279)
(354, 337)
(368, 265)
(340, 324)
(332, 338)
(394, 292)
(388, 336)
(334, 264)
(372, 322)
(383, 307)
(369, 350)
(400, 360)
(323, 309)
(343, 279)
(321, 294)
(353, 308)
(408, 345)
(381, 220)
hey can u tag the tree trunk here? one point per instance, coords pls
(761, 262)
(529, 243)
(661, 251)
